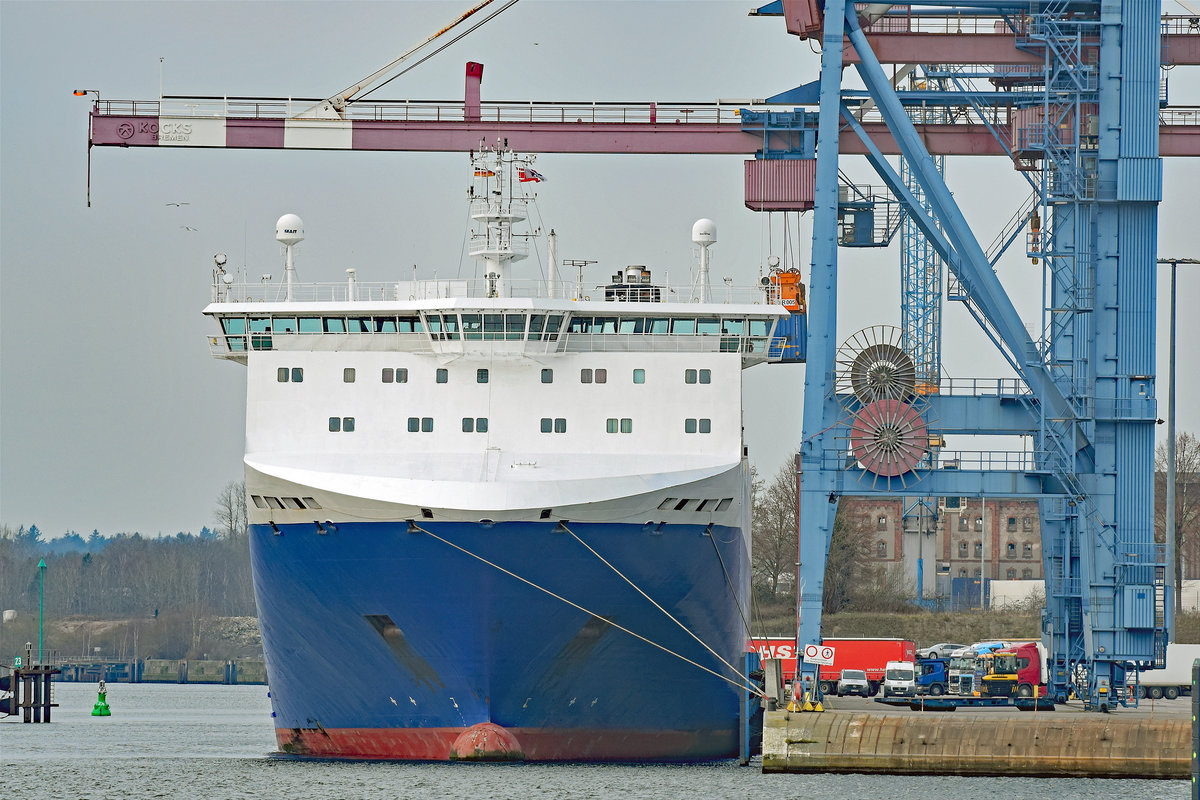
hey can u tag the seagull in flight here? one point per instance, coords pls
(177, 205)
(188, 228)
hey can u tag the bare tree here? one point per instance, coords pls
(1187, 503)
(233, 519)
(774, 529)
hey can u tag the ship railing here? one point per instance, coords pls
(678, 343)
(983, 387)
(290, 108)
(444, 289)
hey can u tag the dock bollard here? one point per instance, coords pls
(101, 709)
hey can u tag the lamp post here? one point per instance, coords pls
(41, 607)
(1169, 525)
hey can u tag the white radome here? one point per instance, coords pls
(704, 232)
(289, 229)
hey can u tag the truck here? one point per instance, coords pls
(1175, 678)
(869, 655)
(899, 679)
(968, 665)
(933, 676)
(1018, 670)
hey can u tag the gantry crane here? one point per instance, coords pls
(1072, 98)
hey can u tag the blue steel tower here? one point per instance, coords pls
(1083, 123)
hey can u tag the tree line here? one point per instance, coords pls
(171, 584)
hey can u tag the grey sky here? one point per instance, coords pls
(112, 414)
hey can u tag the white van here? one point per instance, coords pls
(900, 679)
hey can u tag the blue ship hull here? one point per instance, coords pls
(501, 640)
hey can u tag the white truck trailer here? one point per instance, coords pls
(1175, 678)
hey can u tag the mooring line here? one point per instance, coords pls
(638, 589)
(752, 689)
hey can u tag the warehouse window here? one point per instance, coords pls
(881, 549)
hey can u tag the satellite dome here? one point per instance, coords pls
(704, 232)
(289, 229)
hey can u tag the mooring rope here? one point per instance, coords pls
(739, 684)
(638, 589)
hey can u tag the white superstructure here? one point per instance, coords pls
(495, 398)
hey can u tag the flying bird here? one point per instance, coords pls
(177, 205)
(188, 228)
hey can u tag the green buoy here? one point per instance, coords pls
(101, 708)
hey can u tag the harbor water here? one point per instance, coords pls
(214, 742)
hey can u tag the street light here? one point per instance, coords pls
(1170, 502)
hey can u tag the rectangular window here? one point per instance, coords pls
(468, 424)
(626, 425)
(493, 326)
(553, 325)
(311, 502)
(335, 424)
(410, 325)
(537, 323)
(706, 426)
(385, 325)
(426, 424)
(639, 376)
(1026, 523)
(560, 425)
(547, 376)
(292, 502)
(348, 424)
(685, 326)
(334, 325)
(601, 376)
(258, 501)
(297, 374)
(348, 375)
(658, 325)
(481, 425)
(547, 425)
(414, 424)
(514, 326)
(450, 326)
(708, 326)
(611, 425)
(359, 325)
(585, 376)
(689, 376)
(443, 375)
(472, 325)
(481, 376)
(310, 324)
(1012, 523)
(283, 324)
(281, 374)
(725, 503)
(706, 376)
(273, 502)
(401, 375)
(389, 375)
(689, 426)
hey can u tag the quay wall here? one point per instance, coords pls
(1008, 743)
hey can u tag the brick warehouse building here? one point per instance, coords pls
(960, 540)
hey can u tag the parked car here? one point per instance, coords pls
(939, 650)
(853, 681)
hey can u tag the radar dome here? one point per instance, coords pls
(704, 232)
(289, 229)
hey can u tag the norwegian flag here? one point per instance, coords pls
(526, 174)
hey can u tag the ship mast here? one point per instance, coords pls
(499, 199)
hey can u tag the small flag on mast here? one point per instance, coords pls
(484, 173)
(527, 174)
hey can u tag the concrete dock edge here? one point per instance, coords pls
(1045, 745)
